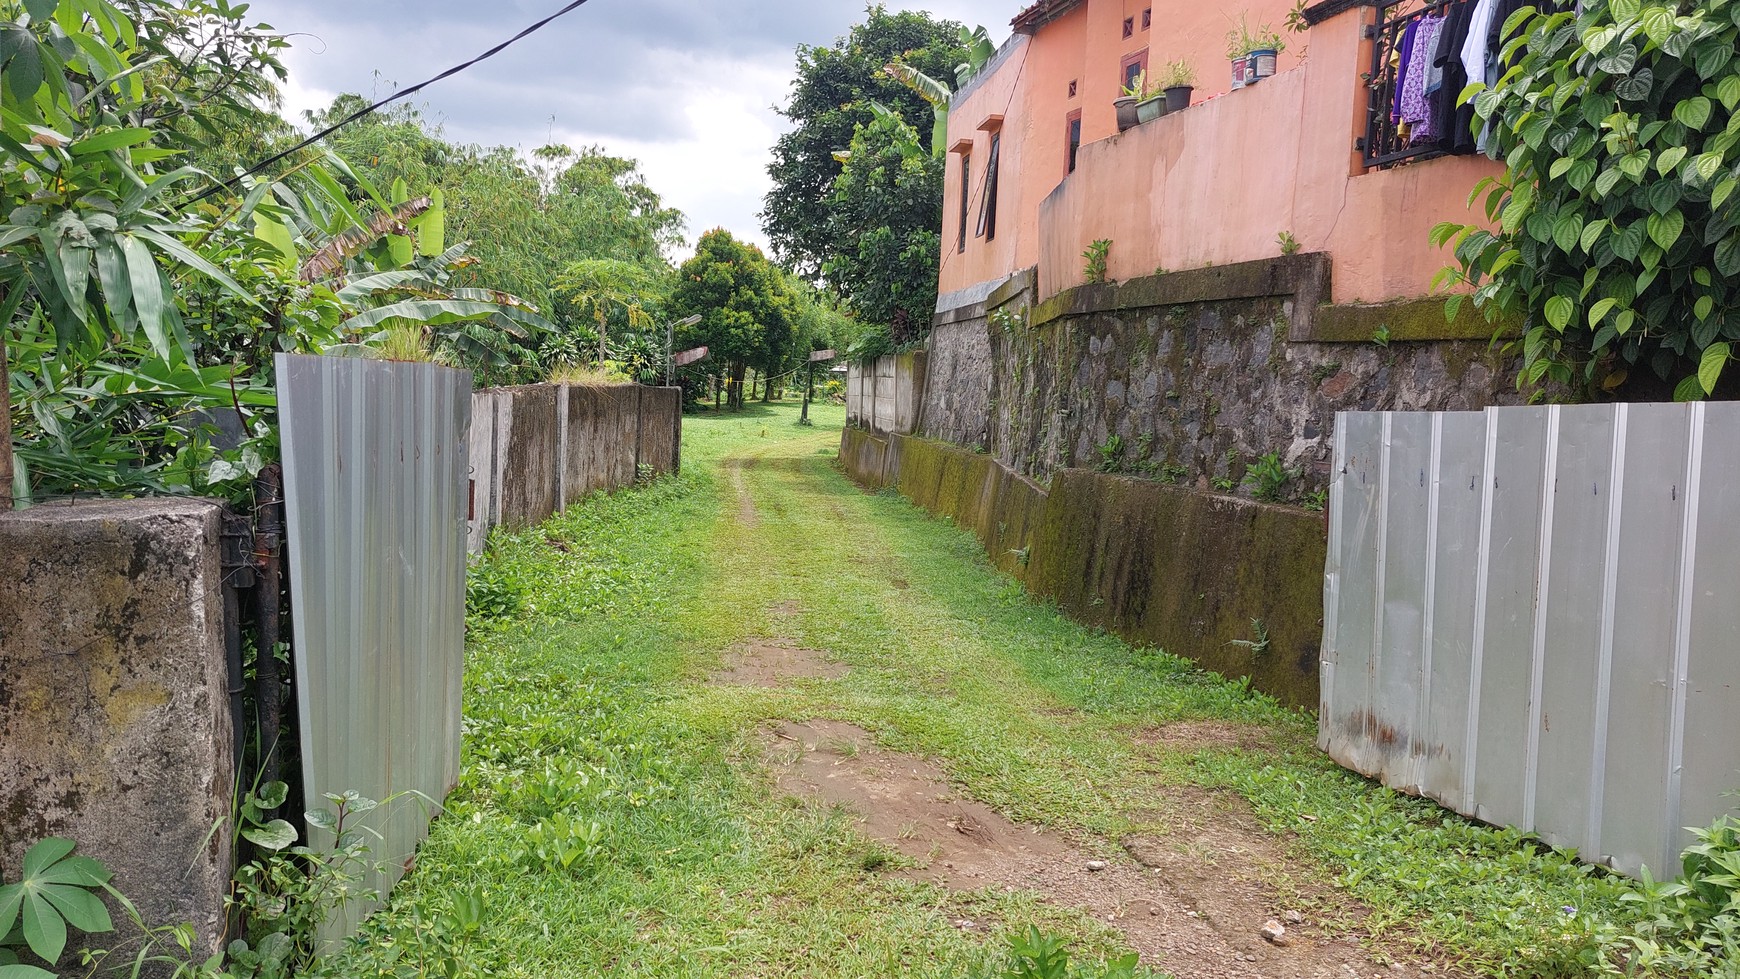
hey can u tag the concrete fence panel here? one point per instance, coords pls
(1531, 615)
(527, 446)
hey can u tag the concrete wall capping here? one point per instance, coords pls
(1401, 320)
(1303, 278)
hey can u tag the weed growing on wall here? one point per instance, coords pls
(1095, 268)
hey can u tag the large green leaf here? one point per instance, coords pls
(147, 292)
(1710, 366)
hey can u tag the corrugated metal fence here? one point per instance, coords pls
(1532, 615)
(375, 492)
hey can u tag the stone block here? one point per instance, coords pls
(115, 727)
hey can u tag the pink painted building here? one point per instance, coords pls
(1038, 169)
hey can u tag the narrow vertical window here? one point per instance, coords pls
(966, 193)
(1072, 139)
(988, 210)
(1147, 18)
(1129, 26)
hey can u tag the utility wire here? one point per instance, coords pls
(401, 93)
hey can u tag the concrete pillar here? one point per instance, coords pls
(114, 712)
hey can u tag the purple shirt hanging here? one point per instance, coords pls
(1413, 106)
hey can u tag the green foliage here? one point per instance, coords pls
(1094, 267)
(56, 890)
(830, 99)
(1268, 477)
(1614, 228)
(528, 216)
(1689, 925)
(884, 221)
(1034, 954)
(1111, 453)
(1316, 500)
(1289, 244)
(1258, 644)
(490, 595)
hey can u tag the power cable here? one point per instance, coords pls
(401, 93)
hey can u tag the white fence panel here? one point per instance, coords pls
(1532, 615)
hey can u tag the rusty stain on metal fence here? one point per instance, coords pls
(376, 488)
(1532, 615)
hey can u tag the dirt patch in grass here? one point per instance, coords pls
(1194, 736)
(1190, 905)
(774, 663)
(747, 515)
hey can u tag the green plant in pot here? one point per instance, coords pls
(1177, 85)
(1239, 43)
(1126, 103)
(1151, 101)
(1260, 60)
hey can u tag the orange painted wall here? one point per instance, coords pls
(1212, 185)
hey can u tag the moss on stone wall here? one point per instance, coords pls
(1158, 565)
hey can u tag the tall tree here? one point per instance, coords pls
(745, 308)
(830, 98)
(885, 210)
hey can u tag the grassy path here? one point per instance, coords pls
(640, 798)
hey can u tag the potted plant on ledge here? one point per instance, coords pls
(1126, 103)
(1253, 53)
(1177, 86)
(1151, 103)
(1266, 48)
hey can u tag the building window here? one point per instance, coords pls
(966, 190)
(1129, 26)
(1147, 17)
(1072, 139)
(1131, 66)
(1072, 88)
(988, 208)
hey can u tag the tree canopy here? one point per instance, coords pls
(885, 211)
(747, 312)
(830, 98)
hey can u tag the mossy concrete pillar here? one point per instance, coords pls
(114, 713)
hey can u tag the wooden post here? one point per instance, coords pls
(5, 426)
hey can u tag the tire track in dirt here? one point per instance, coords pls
(1191, 904)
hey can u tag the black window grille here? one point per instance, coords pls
(1387, 141)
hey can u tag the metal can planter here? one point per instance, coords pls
(1260, 64)
(1239, 65)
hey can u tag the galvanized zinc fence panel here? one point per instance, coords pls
(375, 472)
(1532, 615)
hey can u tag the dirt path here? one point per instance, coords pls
(1195, 899)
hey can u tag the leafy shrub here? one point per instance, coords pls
(1692, 924)
(1094, 268)
(491, 595)
(1617, 232)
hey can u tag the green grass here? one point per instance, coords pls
(593, 740)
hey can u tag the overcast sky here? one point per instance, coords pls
(684, 86)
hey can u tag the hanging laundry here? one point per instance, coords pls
(1453, 121)
(1404, 53)
(1415, 107)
